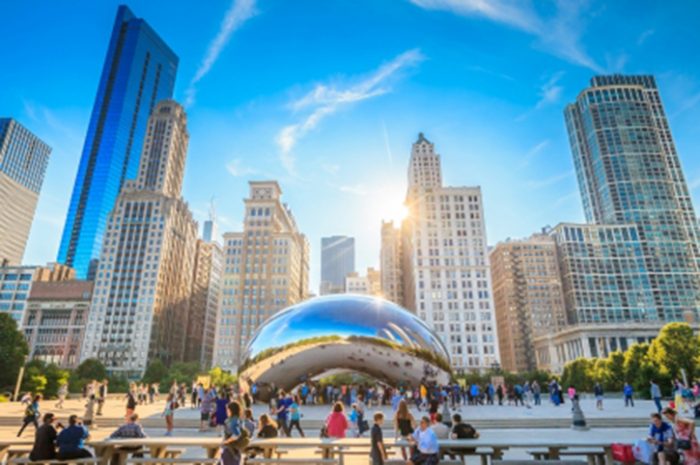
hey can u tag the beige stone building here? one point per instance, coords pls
(369, 284)
(16, 284)
(528, 296)
(143, 284)
(23, 161)
(205, 303)
(54, 322)
(390, 263)
(266, 268)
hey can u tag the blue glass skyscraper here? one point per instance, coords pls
(139, 71)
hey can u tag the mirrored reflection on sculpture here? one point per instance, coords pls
(343, 332)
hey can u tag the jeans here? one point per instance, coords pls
(657, 402)
(629, 401)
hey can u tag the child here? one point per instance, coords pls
(378, 452)
(354, 417)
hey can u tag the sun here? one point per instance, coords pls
(390, 207)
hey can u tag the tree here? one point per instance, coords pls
(613, 376)
(13, 351)
(156, 372)
(89, 370)
(639, 370)
(221, 377)
(579, 373)
(676, 348)
(43, 379)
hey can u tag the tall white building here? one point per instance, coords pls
(266, 269)
(446, 275)
(143, 285)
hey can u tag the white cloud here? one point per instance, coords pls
(534, 151)
(326, 99)
(558, 35)
(355, 189)
(330, 168)
(644, 36)
(236, 168)
(546, 182)
(550, 92)
(238, 13)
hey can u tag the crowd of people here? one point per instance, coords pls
(229, 412)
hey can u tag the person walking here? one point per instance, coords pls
(71, 440)
(31, 414)
(282, 410)
(205, 409)
(499, 394)
(655, 392)
(221, 412)
(102, 391)
(88, 418)
(537, 392)
(628, 393)
(130, 402)
(336, 422)
(598, 393)
(62, 393)
(169, 413)
(295, 416)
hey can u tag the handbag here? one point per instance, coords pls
(622, 453)
(683, 444)
(324, 432)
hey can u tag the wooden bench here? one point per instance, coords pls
(18, 452)
(170, 460)
(593, 456)
(484, 455)
(302, 461)
(27, 461)
(540, 462)
(173, 453)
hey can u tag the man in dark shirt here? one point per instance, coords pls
(378, 452)
(462, 431)
(44, 440)
(70, 440)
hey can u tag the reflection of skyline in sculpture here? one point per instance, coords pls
(343, 332)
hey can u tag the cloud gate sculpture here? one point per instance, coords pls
(343, 332)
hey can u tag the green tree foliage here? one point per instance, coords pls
(675, 349)
(13, 350)
(41, 378)
(640, 370)
(182, 373)
(156, 372)
(88, 371)
(579, 373)
(221, 377)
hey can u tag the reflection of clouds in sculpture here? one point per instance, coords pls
(346, 332)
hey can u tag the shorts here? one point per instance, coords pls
(205, 416)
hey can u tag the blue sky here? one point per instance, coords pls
(328, 96)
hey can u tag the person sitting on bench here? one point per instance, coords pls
(70, 440)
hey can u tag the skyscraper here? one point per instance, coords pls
(139, 71)
(23, 161)
(629, 173)
(337, 260)
(528, 295)
(143, 285)
(390, 263)
(266, 269)
(446, 274)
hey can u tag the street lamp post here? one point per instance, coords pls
(20, 375)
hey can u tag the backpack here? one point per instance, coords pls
(29, 411)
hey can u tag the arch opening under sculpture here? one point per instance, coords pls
(344, 332)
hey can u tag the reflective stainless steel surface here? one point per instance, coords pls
(347, 332)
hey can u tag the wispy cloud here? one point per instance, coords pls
(546, 182)
(326, 99)
(236, 168)
(644, 36)
(355, 189)
(559, 35)
(330, 168)
(238, 13)
(549, 93)
(534, 152)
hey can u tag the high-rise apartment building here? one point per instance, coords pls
(337, 260)
(629, 173)
(143, 285)
(266, 269)
(23, 161)
(16, 284)
(635, 266)
(54, 323)
(446, 275)
(205, 303)
(528, 296)
(390, 263)
(138, 72)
